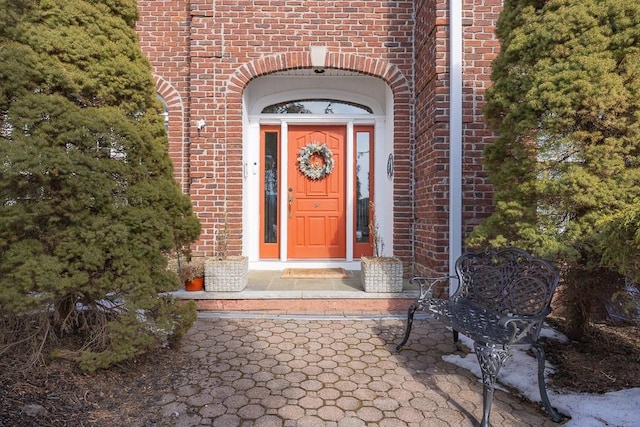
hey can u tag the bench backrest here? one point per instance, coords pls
(509, 281)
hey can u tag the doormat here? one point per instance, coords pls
(315, 273)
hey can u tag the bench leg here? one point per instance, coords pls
(410, 313)
(491, 359)
(539, 352)
(456, 340)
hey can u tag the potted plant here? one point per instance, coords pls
(223, 272)
(380, 273)
(191, 272)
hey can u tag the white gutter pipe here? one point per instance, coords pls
(455, 134)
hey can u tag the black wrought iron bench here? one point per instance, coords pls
(500, 303)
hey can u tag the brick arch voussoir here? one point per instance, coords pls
(176, 108)
(170, 95)
(390, 73)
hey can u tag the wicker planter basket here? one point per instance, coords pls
(226, 275)
(381, 274)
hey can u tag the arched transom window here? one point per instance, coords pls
(317, 106)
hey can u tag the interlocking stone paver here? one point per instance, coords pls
(280, 370)
(277, 384)
(213, 411)
(285, 357)
(294, 393)
(311, 402)
(360, 378)
(312, 358)
(328, 378)
(393, 422)
(269, 421)
(423, 404)
(268, 363)
(369, 359)
(297, 372)
(311, 385)
(356, 365)
(346, 385)
(340, 345)
(251, 412)
(291, 412)
(349, 403)
(230, 375)
(327, 364)
(312, 369)
(351, 422)
(329, 393)
(226, 420)
(450, 416)
(236, 401)
(370, 414)
(243, 384)
(186, 420)
(409, 414)
(200, 399)
(343, 371)
(311, 421)
(379, 386)
(386, 404)
(365, 394)
(331, 413)
(273, 402)
(250, 368)
(263, 376)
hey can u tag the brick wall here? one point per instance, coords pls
(164, 36)
(204, 52)
(480, 47)
(431, 175)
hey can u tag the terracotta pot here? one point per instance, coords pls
(196, 284)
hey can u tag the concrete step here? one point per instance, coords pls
(267, 291)
(293, 302)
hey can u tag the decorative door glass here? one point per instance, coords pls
(269, 194)
(271, 187)
(363, 190)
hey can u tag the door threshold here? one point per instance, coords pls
(277, 265)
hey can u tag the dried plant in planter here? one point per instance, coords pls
(221, 242)
(191, 269)
(380, 273)
(374, 232)
(224, 272)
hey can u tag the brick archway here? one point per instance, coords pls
(342, 61)
(402, 119)
(178, 147)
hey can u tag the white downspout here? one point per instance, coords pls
(455, 134)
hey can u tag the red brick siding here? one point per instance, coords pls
(431, 174)
(481, 46)
(208, 51)
(205, 52)
(164, 37)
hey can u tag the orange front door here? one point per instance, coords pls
(316, 207)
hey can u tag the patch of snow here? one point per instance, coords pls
(520, 372)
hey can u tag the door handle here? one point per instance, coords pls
(290, 199)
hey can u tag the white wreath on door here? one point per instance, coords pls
(315, 170)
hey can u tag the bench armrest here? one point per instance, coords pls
(522, 327)
(427, 283)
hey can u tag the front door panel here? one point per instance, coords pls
(316, 208)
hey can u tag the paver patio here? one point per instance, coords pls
(328, 371)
